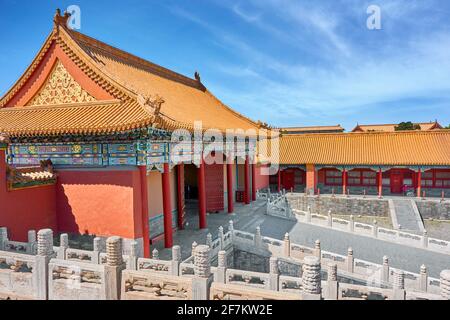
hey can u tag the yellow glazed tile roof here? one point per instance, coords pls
(400, 148)
(127, 78)
(186, 99)
(424, 126)
(81, 118)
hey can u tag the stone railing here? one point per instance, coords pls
(294, 272)
(28, 247)
(349, 268)
(278, 206)
(373, 231)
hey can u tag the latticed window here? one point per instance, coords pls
(362, 178)
(298, 178)
(442, 179)
(333, 177)
(427, 179)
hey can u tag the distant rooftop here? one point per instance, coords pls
(424, 126)
(313, 129)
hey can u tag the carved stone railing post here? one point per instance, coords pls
(113, 268)
(399, 285)
(385, 272)
(308, 215)
(133, 258)
(221, 238)
(63, 246)
(350, 260)
(176, 260)
(287, 245)
(221, 267)
(32, 242)
(209, 240)
(423, 278)
(274, 273)
(155, 254)
(231, 229)
(44, 254)
(311, 281)
(330, 219)
(258, 238)
(351, 224)
(317, 250)
(3, 237)
(445, 284)
(425, 239)
(193, 246)
(202, 271)
(97, 250)
(375, 229)
(332, 282)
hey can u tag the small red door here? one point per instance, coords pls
(214, 185)
(396, 182)
(288, 180)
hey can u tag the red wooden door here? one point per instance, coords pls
(289, 180)
(396, 182)
(214, 187)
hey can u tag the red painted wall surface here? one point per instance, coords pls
(262, 181)
(100, 202)
(26, 209)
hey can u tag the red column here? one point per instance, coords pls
(230, 163)
(201, 195)
(167, 207)
(180, 195)
(311, 179)
(145, 222)
(380, 183)
(279, 180)
(419, 183)
(344, 181)
(246, 181)
(253, 181)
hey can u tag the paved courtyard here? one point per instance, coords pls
(247, 218)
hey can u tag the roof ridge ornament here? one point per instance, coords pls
(197, 76)
(61, 20)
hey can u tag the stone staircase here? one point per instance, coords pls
(405, 215)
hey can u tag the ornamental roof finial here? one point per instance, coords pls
(61, 20)
(197, 76)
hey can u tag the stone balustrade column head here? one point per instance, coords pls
(311, 280)
(114, 256)
(3, 237)
(32, 236)
(155, 254)
(425, 239)
(194, 244)
(352, 223)
(385, 270)
(176, 253)
(209, 240)
(317, 249)
(287, 245)
(445, 284)
(330, 219)
(423, 278)
(332, 272)
(45, 242)
(222, 259)
(64, 240)
(202, 262)
(375, 228)
(98, 244)
(350, 260)
(273, 265)
(399, 280)
(133, 248)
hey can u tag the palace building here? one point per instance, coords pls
(87, 138)
(86, 148)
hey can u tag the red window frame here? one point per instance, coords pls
(331, 176)
(360, 178)
(434, 179)
(299, 177)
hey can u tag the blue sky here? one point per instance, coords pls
(285, 62)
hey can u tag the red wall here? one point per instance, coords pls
(262, 181)
(101, 202)
(26, 209)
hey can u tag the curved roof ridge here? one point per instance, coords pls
(379, 133)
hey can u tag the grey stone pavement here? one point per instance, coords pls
(247, 218)
(407, 215)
